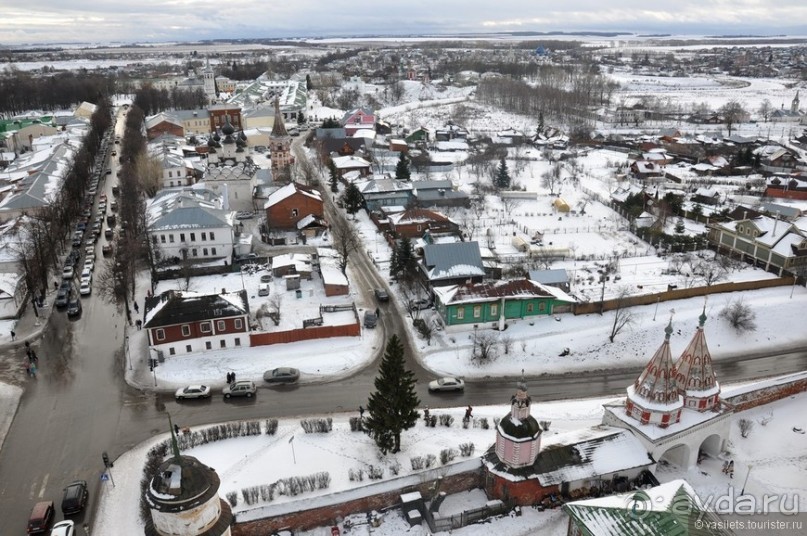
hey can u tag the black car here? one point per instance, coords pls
(75, 497)
(74, 307)
(381, 295)
(63, 295)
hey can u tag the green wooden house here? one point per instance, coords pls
(478, 303)
(419, 135)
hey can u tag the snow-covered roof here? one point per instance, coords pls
(180, 307)
(287, 191)
(496, 290)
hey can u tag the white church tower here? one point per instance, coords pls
(209, 78)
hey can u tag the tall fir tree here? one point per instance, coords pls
(352, 199)
(402, 168)
(501, 180)
(334, 180)
(392, 408)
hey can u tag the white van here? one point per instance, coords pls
(263, 289)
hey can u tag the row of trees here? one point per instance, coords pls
(21, 92)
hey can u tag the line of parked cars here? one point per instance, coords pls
(240, 388)
(74, 499)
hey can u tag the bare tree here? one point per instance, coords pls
(345, 241)
(148, 171)
(275, 303)
(551, 178)
(506, 342)
(765, 109)
(622, 317)
(710, 270)
(745, 427)
(510, 204)
(732, 113)
(739, 315)
(484, 348)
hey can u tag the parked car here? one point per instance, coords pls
(263, 289)
(419, 305)
(381, 295)
(106, 250)
(240, 388)
(41, 517)
(68, 272)
(447, 384)
(74, 497)
(192, 391)
(370, 319)
(249, 257)
(63, 528)
(74, 307)
(63, 294)
(85, 289)
(89, 264)
(281, 375)
(244, 215)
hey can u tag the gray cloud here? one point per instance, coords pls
(161, 20)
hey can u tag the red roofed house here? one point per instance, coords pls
(413, 223)
(290, 204)
(358, 119)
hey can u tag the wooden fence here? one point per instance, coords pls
(679, 294)
(304, 334)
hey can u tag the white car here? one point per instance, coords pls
(447, 384)
(86, 273)
(63, 528)
(86, 287)
(89, 264)
(68, 272)
(192, 391)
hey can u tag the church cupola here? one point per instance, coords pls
(653, 398)
(694, 374)
(518, 434)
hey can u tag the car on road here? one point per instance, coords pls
(370, 319)
(192, 391)
(263, 289)
(68, 272)
(89, 264)
(281, 375)
(447, 384)
(381, 295)
(63, 528)
(242, 259)
(240, 388)
(41, 517)
(63, 294)
(74, 497)
(244, 215)
(74, 307)
(85, 289)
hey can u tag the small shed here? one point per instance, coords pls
(561, 205)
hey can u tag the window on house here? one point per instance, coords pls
(205, 327)
(162, 238)
(188, 348)
(194, 252)
(477, 311)
(541, 307)
(208, 345)
(213, 251)
(160, 334)
(211, 236)
(171, 238)
(237, 341)
(193, 237)
(223, 343)
(494, 309)
(460, 313)
(221, 325)
(181, 237)
(238, 323)
(294, 213)
(171, 174)
(186, 330)
(204, 252)
(530, 307)
(171, 351)
(204, 236)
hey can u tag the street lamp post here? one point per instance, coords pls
(126, 349)
(656, 311)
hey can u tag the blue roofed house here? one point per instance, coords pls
(386, 192)
(189, 224)
(452, 264)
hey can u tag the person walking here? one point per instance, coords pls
(229, 377)
(233, 380)
(33, 370)
(361, 412)
(13, 335)
(137, 309)
(468, 414)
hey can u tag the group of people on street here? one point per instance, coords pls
(230, 377)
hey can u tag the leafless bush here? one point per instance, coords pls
(467, 449)
(745, 427)
(447, 455)
(739, 315)
(446, 420)
(271, 426)
(317, 426)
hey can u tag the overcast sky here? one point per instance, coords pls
(47, 21)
